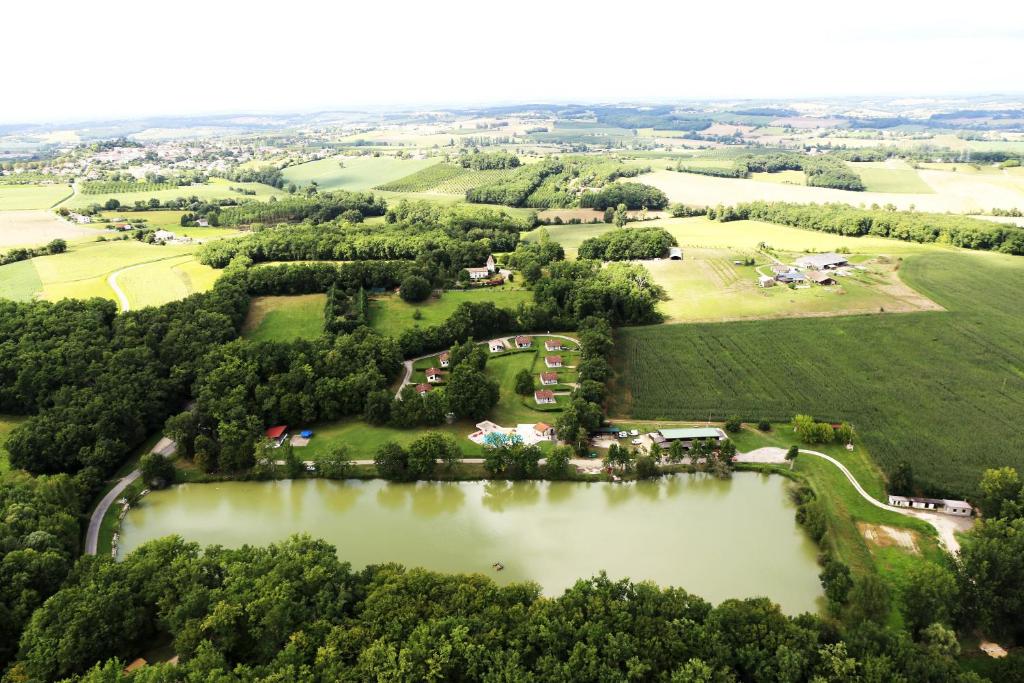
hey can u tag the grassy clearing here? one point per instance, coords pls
(19, 281)
(23, 197)
(216, 188)
(36, 228)
(358, 173)
(920, 387)
(157, 283)
(363, 439)
(390, 315)
(7, 423)
(285, 318)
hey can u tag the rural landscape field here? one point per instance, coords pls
(427, 352)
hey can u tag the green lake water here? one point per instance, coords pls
(718, 539)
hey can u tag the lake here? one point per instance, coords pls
(718, 539)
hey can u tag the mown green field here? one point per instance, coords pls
(22, 197)
(358, 173)
(890, 176)
(19, 281)
(390, 315)
(217, 188)
(160, 282)
(943, 391)
(285, 318)
(513, 409)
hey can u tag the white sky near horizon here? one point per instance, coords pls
(117, 59)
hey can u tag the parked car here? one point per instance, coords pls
(623, 435)
(634, 432)
(636, 442)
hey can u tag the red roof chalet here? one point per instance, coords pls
(423, 388)
(276, 432)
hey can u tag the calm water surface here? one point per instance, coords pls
(718, 539)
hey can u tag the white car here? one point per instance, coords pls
(636, 442)
(634, 432)
(623, 435)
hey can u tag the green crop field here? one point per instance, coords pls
(425, 179)
(943, 391)
(216, 188)
(22, 197)
(284, 318)
(170, 279)
(890, 176)
(390, 315)
(82, 271)
(19, 281)
(358, 173)
(781, 177)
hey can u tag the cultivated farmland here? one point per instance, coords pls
(941, 390)
(36, 228)
(216, 188)
(22, 197)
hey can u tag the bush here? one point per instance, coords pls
(157, 471)
(733, 424)
(646, 467)
(415, 288)
(524, 382)
(764, 425)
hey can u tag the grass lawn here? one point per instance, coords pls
(570, 236)
(19, 281)
(358, 173)
(284, 318)
(364, 439)
(390, 315)
(918, 387)
(21, 197)
(216, 188)
(7, 423)
(513, 409)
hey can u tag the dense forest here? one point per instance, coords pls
(320, 208)
(909, 226)
(820, 171)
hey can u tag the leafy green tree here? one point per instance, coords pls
(792, 452)
(647, 467)
(337, 463)
(415, 289)
(426, 451)
(470, 392)
(621, 216)
(901, 481)
(928, 596)
(157, 471)
(377, 410)
(524, 382)
(1000, 492)
(869, 599)
(392, 462)
(57, 246)
(557, 463)
(764, 425)
(837, 581)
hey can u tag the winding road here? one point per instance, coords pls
(945, 525)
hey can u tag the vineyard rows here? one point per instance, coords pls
(120, 186)
(444, 178)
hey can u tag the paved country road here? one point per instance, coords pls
(164, 447)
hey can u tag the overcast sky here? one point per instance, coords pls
(110, 58)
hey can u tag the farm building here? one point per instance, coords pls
(543, 396)
(444, 359)
(79, 218)
(423, 389)
(478, 273)
(951, 507)
(163, 235)
(779, 268)
(277, 434)
(544, 431)
(553, 361)
(553, 345)
(675, 253)
(822, 261)
(791, 276)
(687, 435)
(434, 375)
(497, 345)
(820, 278)
(765, 281)
(491, 265)
(524, 342)
(548, 378)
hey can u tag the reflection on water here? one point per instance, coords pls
(716, 538)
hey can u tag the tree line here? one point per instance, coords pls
(627, 245)
(908, 226)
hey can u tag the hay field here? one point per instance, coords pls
(160, 282)
(951, 192)
(23, 197)
(36, 228)
(358, 174)
(285, 318)
(892, 175)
